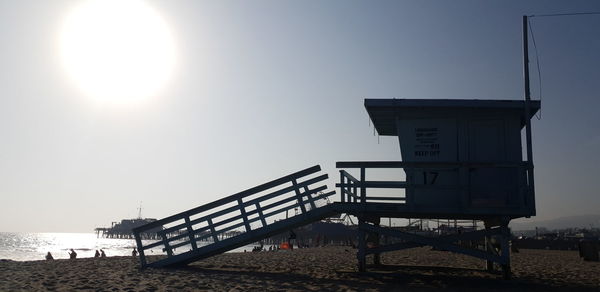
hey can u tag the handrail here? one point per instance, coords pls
(229, 199)
(250, 203)
(407, 164)
(281, 195)
(349, 185)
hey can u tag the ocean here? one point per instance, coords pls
(35, 246)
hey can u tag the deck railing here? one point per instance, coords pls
(354, 190)
(243, 212)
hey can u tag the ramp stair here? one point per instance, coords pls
(259, 212)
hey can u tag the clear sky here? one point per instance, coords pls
(260, 89)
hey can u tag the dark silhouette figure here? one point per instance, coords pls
(134, 252)
(102, 254)
(97, 254)
(49, 256)
(72, 254)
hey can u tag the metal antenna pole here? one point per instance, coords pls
(527, 112)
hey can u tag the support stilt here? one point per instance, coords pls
(377, 255)
(489, 265)
(505, 251)
(361, 255)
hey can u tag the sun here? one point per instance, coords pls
(117, 51)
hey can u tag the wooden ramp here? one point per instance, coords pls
(294, 200)
(260, 212)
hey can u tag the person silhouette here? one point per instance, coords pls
(49, 256)
(102, 254)
(134, 252)
(72, 254)
(97, 254)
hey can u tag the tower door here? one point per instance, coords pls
(489, 187)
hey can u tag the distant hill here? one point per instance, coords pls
(581, 221)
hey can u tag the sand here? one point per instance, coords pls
(314, 269)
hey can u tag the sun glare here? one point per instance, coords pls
(117, 51)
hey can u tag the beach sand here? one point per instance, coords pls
(313, 269)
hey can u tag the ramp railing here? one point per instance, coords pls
(184, 235)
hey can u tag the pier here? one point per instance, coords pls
(124, 229)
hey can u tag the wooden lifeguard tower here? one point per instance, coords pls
(462, 159)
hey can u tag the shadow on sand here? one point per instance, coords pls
(382, 278)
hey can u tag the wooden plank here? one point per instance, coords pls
(348, 176)
(289, 189)
(448, 238)
(152, 245)
(464, 181)
(213, 232)
(298, 196)
(261, 215)
(232, 227)
(191, 233)
(362, 246)
(363, 189)
(440, 164)
(138, 242)
(307, 193)
(342, 190)
(244, 217)
(281, 210)
(397, 185)
(179, 244)
(166, 244)
(442, 244)
(394, 247)
(385, 199)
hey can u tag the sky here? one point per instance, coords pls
(260, 89)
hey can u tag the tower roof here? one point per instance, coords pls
(384, 112)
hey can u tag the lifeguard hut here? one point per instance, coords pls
(462, 160)
(481, 139)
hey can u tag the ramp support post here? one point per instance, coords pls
(140, 249)
(361, 255)
(489, 265)
(168, 248)
(190, 231)
(299, 196)
(376, 236)
(244, 216)
(505, 251)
